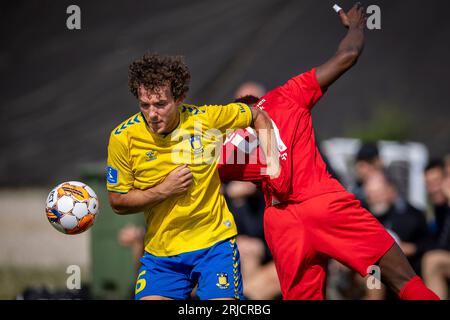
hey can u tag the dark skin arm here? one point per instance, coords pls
(349, 49)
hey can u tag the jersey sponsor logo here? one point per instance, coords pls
(241, 108)
(126, 124)
(222, 280)
(151, 155)
(196, 143)
(112, 175)
(260, 104)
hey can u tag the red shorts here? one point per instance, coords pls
(303, 236)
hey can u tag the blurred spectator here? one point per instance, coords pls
(345, 283)
(250, 88)
(397, 215)
(367, 163)
(132, 236)
(447, 164)
(434, 178)
(436, 262)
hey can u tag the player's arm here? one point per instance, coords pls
(349, 49)
(135, 200)
(266, 135)
(239, 116)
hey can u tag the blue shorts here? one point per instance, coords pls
(216, 270)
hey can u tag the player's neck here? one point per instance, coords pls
(176, 122)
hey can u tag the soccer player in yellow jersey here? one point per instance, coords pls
(162, 161)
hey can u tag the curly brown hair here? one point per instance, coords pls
(154, 71)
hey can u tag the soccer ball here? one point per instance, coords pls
(71, 207)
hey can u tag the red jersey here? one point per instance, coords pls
(303, 172)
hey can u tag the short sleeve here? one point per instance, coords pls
(119, 176)
(304, 89)
(231, 116)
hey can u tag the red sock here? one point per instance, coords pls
(415, 289)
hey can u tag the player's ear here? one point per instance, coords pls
(180, 99)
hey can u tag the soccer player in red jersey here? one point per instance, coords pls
(309, 216)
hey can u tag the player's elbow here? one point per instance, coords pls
(346, 59)
(117, 209)
(115, 202)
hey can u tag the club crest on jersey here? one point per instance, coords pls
(196, 144)
(151, 155)
(222, 280)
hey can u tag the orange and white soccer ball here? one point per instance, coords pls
(72, 207)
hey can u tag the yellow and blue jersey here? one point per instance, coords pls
(140, 159)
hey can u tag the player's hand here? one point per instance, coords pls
(177, 181)
(354, 18)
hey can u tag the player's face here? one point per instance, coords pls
(159, 109)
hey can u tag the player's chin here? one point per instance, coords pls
(158, 127)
